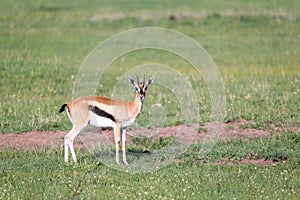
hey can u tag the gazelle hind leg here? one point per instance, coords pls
(69, 139)
(66, 148)
(123, 138)
(67, 144)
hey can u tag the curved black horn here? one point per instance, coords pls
(144, 80)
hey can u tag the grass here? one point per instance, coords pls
(49, 177)
(254, 44)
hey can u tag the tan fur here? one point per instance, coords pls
(122, 110)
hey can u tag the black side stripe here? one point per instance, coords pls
(101, 113)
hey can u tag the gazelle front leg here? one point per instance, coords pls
(117, 133)
(123, 135)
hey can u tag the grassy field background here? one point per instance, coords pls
(254, 44)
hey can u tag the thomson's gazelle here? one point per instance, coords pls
(104, 112)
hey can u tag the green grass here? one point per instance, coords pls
(43, 174)
(254, 44)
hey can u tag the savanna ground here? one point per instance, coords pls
(256, 48)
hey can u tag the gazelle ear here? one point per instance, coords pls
(132, 83)
(150, 81)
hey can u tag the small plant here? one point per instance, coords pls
(148, 145)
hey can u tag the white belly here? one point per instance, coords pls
(99, 121)
(128, 123)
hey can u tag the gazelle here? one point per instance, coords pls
(104, 112)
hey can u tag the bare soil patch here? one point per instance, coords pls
(185, 133)
(232, 130)
(246, 161)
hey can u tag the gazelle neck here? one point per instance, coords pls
(138, 103)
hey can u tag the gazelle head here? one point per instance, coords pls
(141, 88)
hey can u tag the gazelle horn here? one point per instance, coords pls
(138, 82)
